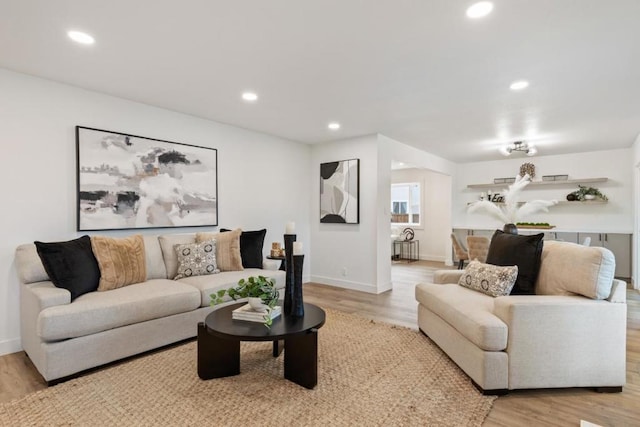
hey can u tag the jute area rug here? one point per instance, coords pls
(369, 374)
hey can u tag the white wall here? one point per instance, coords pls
(635, 165)
(435, 210)
(615, 216)
(345, 254)
(262, 180)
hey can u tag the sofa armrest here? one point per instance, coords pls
(447, 276)
(564, 341)
(45, 294)
(270, 264)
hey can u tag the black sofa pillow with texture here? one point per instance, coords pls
(70, 265)
(251, 243)
(524, 251)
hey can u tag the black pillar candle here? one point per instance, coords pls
(288, 283)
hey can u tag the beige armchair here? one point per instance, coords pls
(478, 247)
(460, 252)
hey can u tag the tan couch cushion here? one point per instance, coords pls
(100, 311)
(468, 311)
(214, 282)
(228, 257)
(29, 265)
(569, 269)
(122, 261)
(153, 255)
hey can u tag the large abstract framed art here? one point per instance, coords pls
(126, 181)
(340, 192)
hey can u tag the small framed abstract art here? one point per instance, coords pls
(132, 182)
(340, 192)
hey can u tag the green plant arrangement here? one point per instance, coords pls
(583, 191)
(253, 287)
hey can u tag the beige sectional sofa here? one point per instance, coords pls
(572, 333)
(63, 337)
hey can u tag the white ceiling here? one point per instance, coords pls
(418, 71)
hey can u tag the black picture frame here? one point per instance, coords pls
(127, 181)
(340, 192)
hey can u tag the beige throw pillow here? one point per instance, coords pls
(228, 256)
(121, 261)
(196, 259)
(489, 279)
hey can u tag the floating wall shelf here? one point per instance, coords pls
(544, 183)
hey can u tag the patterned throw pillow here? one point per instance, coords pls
(489, 279)
(196, 259)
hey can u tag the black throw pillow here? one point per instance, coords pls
(251, 243)
(71, 265)
(524, 251)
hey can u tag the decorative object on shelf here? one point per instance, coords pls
(535, 225)
(288, 273)
(260, 287)
(511, 211)
(528, 169)
(555, 177)
(408, 234)
(503, 180)
(571, 197)
(497, 198)
(520, 146)
(584, 193)
(127, 181)
(339, 192)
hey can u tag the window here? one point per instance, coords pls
(405, 203)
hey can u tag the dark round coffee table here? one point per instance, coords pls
(219, 339)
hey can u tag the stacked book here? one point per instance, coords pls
(247, 313)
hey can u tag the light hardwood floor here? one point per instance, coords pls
(520, 408)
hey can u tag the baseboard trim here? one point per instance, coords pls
(10, 346)
(354, 286)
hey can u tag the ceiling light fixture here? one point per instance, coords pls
(334, 126)
(250, 96)
(80, 37)
(529, 150)
(480, 9)
(519, 85)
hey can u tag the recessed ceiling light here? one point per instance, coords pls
(249, 96)
(519, 85)
(80, 37)
(334, 125)
(480, 9)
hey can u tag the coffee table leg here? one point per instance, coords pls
(278, 346)
(217, 357)
(301, 359)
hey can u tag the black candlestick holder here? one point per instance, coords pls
(297, 304)
(288, 282)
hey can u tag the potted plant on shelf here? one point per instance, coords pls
(586, 193)
(260, 291)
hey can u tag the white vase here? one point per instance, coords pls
(257, 304)
(589, 197)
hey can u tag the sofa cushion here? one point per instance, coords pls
(210, 284)
(196, 259)
(228, 255)
(70, 265)
(524, 251)
(99, 311)
(489, 279)
(251, 243)
(29, 265)
(167, 244)
(154, 260)
(467, 311)
(122, 261)
(569, 269)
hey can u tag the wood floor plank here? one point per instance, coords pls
(551, 407)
